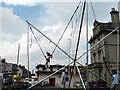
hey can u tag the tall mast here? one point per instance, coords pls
(87, 43)
(79, 32)
(118, 38)
(18, 57)
(28, 49)
(69, 58)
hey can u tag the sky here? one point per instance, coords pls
(51, 18)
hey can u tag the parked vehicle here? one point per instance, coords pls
(77, 84)
(43, 83)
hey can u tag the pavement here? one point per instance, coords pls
(58, 88)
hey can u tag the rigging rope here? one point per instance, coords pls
(37, 42)
(66, 27)
(31, 41)
(72, 29)
(93, 10)
(76, 21)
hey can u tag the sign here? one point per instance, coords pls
(1, 74)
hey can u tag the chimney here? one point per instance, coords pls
(3, 60)
(114, 17)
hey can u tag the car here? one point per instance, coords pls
(43, 83)
(77, 84)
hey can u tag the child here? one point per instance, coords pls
(47, 65)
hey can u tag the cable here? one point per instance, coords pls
(72, 29)
(37, 42)
(31, 41)
(93, 10)
(76, 21)
(66, 27)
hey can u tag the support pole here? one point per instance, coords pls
(78, 41)
(81, 78)
(87, 74)
(79, 38)
(18, 57)
(28, 49)
(69, 60)
(118, 38)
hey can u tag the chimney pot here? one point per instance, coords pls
(113, 9)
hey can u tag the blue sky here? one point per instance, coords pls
(31, 13)
(51, 18)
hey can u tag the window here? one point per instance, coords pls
(99, 42)
(99, 54)
(100, 71)
(94, 55)
(51, 69)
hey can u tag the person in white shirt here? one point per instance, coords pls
(115, 82)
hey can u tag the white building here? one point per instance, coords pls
(20, 71)
(55, 80)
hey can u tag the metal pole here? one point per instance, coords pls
(28, 49)
(79, 38)
(69, 58)
(87, 43)
(118, 38)
(81, 78)
(18, 57)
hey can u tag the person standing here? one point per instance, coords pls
(4, 81)
(63, 79)
(115, 82)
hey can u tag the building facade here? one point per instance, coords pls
(55, 80)
(1, 75)
(104, 54)
(10, 69)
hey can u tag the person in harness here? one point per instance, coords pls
(47, 64)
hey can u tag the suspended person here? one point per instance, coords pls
(63, 79)
(115, 82)
(47, 65)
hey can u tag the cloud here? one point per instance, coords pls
(53, 23)
(12, 30)
(15, 32)
(12, 25)
(34, 2)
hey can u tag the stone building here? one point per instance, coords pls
(104, 54)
